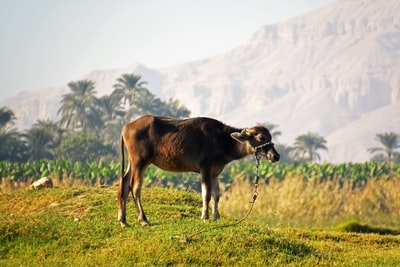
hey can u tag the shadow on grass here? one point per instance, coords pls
(355, 227)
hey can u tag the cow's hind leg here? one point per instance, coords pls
(215, 195)
(123, 192)
(136, 192)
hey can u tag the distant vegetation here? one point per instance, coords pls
(89, 127)
(390, 143)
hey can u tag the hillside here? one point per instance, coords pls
(78, 227)
(334, 71)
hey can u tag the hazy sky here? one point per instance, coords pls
(48, 43)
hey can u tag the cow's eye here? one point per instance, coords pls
(261, 138)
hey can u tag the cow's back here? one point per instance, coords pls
(190, 135)
(177, 145)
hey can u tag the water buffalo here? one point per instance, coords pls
(201, 145)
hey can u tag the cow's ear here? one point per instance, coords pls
(240, 137)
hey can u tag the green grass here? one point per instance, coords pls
(41, 228)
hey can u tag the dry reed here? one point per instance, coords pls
(298, 203)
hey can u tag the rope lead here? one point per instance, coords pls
(189, 238)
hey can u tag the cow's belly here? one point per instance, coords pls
(175, 165)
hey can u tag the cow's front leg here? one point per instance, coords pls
(215, 195)
(206, 195)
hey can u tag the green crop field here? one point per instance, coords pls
(77, 226)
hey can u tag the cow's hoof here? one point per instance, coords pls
(145, 223)
(123, 224)
(205, 220)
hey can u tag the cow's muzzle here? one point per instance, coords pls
(268, 151)
(273, 157)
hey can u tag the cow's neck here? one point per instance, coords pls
(239, 150)
(244, 149)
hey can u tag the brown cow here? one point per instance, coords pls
(201, 145)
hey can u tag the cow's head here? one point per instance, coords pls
(259, 139)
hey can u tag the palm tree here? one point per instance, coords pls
(146, 103)
(175, 110)
(38, 141)
(128, 86)
(110, 107)
(111, 113)
(306, 145)
(285, 153)
(78, 108)
(53, 128)
(12, 146)
(111, 132)
(390, 142)
(6, 116)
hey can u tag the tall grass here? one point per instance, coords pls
(300, 203)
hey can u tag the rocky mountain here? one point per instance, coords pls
(334, 71)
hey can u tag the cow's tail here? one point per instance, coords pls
(122, 152)
(127, 174)
(122, 186)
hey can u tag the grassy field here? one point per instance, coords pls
(77, 226)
